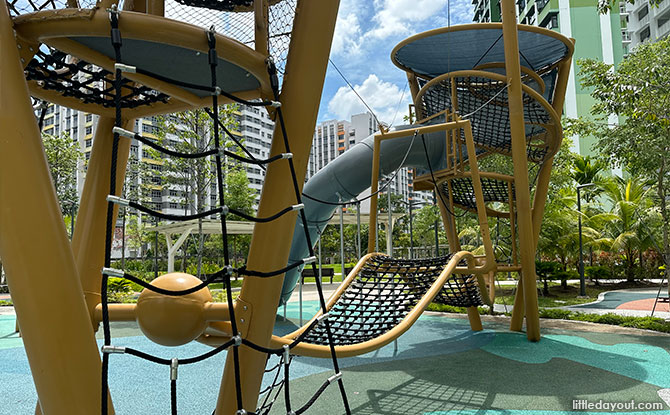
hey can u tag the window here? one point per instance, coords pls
(156, 193)
(49, 121)
(148, 128)
(644, 34)
(643, 13)
(551, 21)
(89, 130)
(88, 142)
(89, 117)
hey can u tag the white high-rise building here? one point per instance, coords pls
(646, 22)
(252, 126)
(334, 137)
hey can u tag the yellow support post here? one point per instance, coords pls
(42, 275)
(521, 183)
(301, 92)
(88, 240)
(541, 190)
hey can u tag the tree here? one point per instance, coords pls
(190, 179)
(629, 198)
(604, 6)
(638, 92)
(63, 154)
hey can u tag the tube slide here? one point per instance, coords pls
(349, 175)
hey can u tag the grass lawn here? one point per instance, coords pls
(559, 296)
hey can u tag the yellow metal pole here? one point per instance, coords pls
(517, 129)
(88, 241)
(301, 92)
(541, 189)
(42, 275)
(374, 188)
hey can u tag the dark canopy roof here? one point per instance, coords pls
(463, 47)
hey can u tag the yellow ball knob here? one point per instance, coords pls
(173, 320)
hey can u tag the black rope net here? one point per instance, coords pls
(484, 101)
(18, 7)
(494, 190)
(384, 291)
(223, 275)
(235, 19)
(90, 84)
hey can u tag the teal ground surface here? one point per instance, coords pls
(613, 299)
(438, 367)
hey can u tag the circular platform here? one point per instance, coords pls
(464, 47)
(76, 68)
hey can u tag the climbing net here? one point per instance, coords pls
(384, 291)
(494, 190)
(485, 102)
(237, 21)
(73, 77)
(223, 275)
(90, 84)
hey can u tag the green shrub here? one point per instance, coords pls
(598, 272)
(646, 323)
(555, 313)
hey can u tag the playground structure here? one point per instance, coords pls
(127, 61)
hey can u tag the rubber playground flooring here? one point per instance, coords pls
(438, 367)
(628, 300)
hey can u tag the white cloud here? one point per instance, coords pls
(397, 16)
(347, 37)
(386, 99)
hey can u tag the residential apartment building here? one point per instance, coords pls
(251, 125)
(334, 137)
(645, 22)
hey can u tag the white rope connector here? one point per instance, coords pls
(118, 201)
(217, 91)
(174, 365)
(238, 340)
(123, 132)
(322, 318)
(298, 206)
(125, 68)
(113, 272)
(228, 270)
(287, 354)
(113, 349)
(275, 104)
(241, 412)
(225, 210)
(291, 412)
(336, 376)
(287, 155)
(309, 260)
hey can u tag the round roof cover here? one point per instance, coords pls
(434, 53)
(224, 5)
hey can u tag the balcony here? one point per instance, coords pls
(663, 29)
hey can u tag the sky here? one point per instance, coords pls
(365, 34)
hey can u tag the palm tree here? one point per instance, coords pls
(587, 170)
(630, 199)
